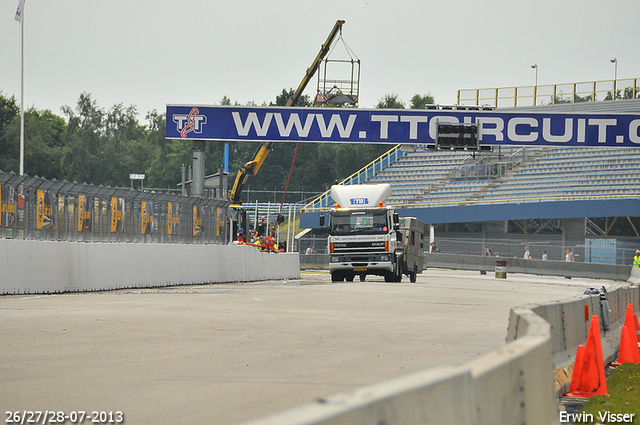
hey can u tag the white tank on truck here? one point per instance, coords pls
(368, 238)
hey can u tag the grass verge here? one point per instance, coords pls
(624, 398)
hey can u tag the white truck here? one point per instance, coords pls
(367, 238)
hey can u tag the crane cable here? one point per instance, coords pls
(352, 55)
(295, 153)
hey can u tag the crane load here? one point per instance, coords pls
(339, 76)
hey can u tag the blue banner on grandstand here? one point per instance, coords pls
(280, 124)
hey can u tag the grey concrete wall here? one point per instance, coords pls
(30, 267)
(635, 276)
(514, 265)
(515, 384)
(520, 265)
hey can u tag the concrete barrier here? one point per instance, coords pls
(635, 276)
(520, 265)
(514, 265)
(513, 385)
(430, 397)
(30, 266)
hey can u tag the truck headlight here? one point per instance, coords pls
(334, 259)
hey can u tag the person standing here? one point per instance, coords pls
(545, 257)
(527, 253)
(487, 251)
(568, 256)
(636, 259)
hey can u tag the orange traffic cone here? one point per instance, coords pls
(631, 321)
(629, 352)
(588, 372)
(577, 369)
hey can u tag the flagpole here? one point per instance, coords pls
(22, 97)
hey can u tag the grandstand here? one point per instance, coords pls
(432, 177)
(574, 172)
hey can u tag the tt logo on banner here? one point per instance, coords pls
(194, 121)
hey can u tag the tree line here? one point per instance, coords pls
(91, 144)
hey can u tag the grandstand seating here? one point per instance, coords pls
(417, 171)
(426, 176)
(572, 172)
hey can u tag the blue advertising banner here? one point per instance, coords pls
(282, 124)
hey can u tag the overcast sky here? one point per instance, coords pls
(151, 53)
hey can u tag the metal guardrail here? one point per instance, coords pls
(41, 209)
(587, 91)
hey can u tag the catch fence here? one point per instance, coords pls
(40, 209)
(617, 250)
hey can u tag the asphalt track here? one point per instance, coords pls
(226, 353)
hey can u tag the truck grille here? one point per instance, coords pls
(360, 247)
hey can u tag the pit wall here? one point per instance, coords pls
(35, 267)
(514, 265)
(520, 265)
(513, 385)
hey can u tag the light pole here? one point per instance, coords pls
(535, 88)
(614, 61)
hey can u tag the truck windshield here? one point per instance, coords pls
(359, 222)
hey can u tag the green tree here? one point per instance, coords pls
(283, 98)
(420, 102)
(165, 168)
(127, 147)
(631, 93)
(579, 99)
(628, 93)
(558, 99)
(9, 146)
(44, 133)
(104, 147)
(82, 155)
(390, 101)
